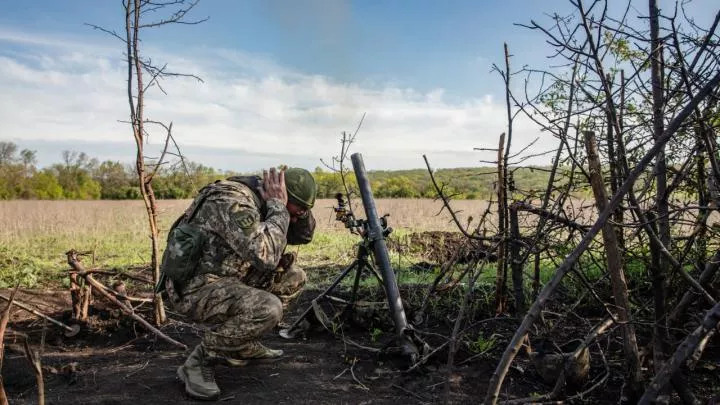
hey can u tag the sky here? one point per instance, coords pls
(281, 80)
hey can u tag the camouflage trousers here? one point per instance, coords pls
(236, 314)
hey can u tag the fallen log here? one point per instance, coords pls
(74, 262)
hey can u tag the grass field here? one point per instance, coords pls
(34, 235)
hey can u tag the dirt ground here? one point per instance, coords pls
(114, 361)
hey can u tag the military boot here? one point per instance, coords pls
(198, 375)
(252, 353)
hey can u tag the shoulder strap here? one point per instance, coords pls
(253, 183)
(190, 212)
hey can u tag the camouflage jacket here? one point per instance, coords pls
(246, 236)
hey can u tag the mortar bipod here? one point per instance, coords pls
(373, 233)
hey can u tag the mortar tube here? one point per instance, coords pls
(375, 235)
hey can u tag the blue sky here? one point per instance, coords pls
(282, 79)
(420, 44)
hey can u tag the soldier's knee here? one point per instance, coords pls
(273, 309)
(299, 275)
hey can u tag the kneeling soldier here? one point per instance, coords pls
(225, 266)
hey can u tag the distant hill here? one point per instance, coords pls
(82, 177)
(465, 183)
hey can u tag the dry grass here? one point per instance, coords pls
(410, 214)
(34, 235)
(76, 220)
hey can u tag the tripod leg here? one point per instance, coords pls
(289, 332)
(356, 283)
(377, 274)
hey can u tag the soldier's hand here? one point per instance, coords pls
(274, 185)
(287, 260)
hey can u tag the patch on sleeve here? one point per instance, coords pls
(245, 218)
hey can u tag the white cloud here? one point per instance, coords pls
(66, 89)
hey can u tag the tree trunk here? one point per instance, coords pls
(703, 200)
(132, 26)
(615, 173)
(516, 262)
(154, 240)
(659, 267)
(501, 273)
(615, 268)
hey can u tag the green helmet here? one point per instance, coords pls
(301, 187)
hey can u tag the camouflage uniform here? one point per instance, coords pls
(243, 279)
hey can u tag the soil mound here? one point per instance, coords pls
(440, 247)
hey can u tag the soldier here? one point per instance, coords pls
(225, 266)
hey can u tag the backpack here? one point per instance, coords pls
(185, 241)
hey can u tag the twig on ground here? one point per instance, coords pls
(123, 297)
(121, 348)
(416, 396)
(33, 311)
(474, 356)
(341, 374)
(427, 356)
(3, 326)
(359, 346)
(137, 370)
(352, 372)
(74, 262)
(34, 357)
(686, 348)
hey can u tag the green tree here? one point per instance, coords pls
(114, 180)
(15, 171)
(75, 176)
(7, 153)
(328, 184)
(396, 187)
(43, 185)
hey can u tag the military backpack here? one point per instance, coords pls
(185, 241)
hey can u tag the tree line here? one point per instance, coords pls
(79, 176)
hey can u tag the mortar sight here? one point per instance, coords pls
(359, 226)
(344, 215)
(341, 209)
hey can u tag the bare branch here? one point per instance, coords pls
(107, 31)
